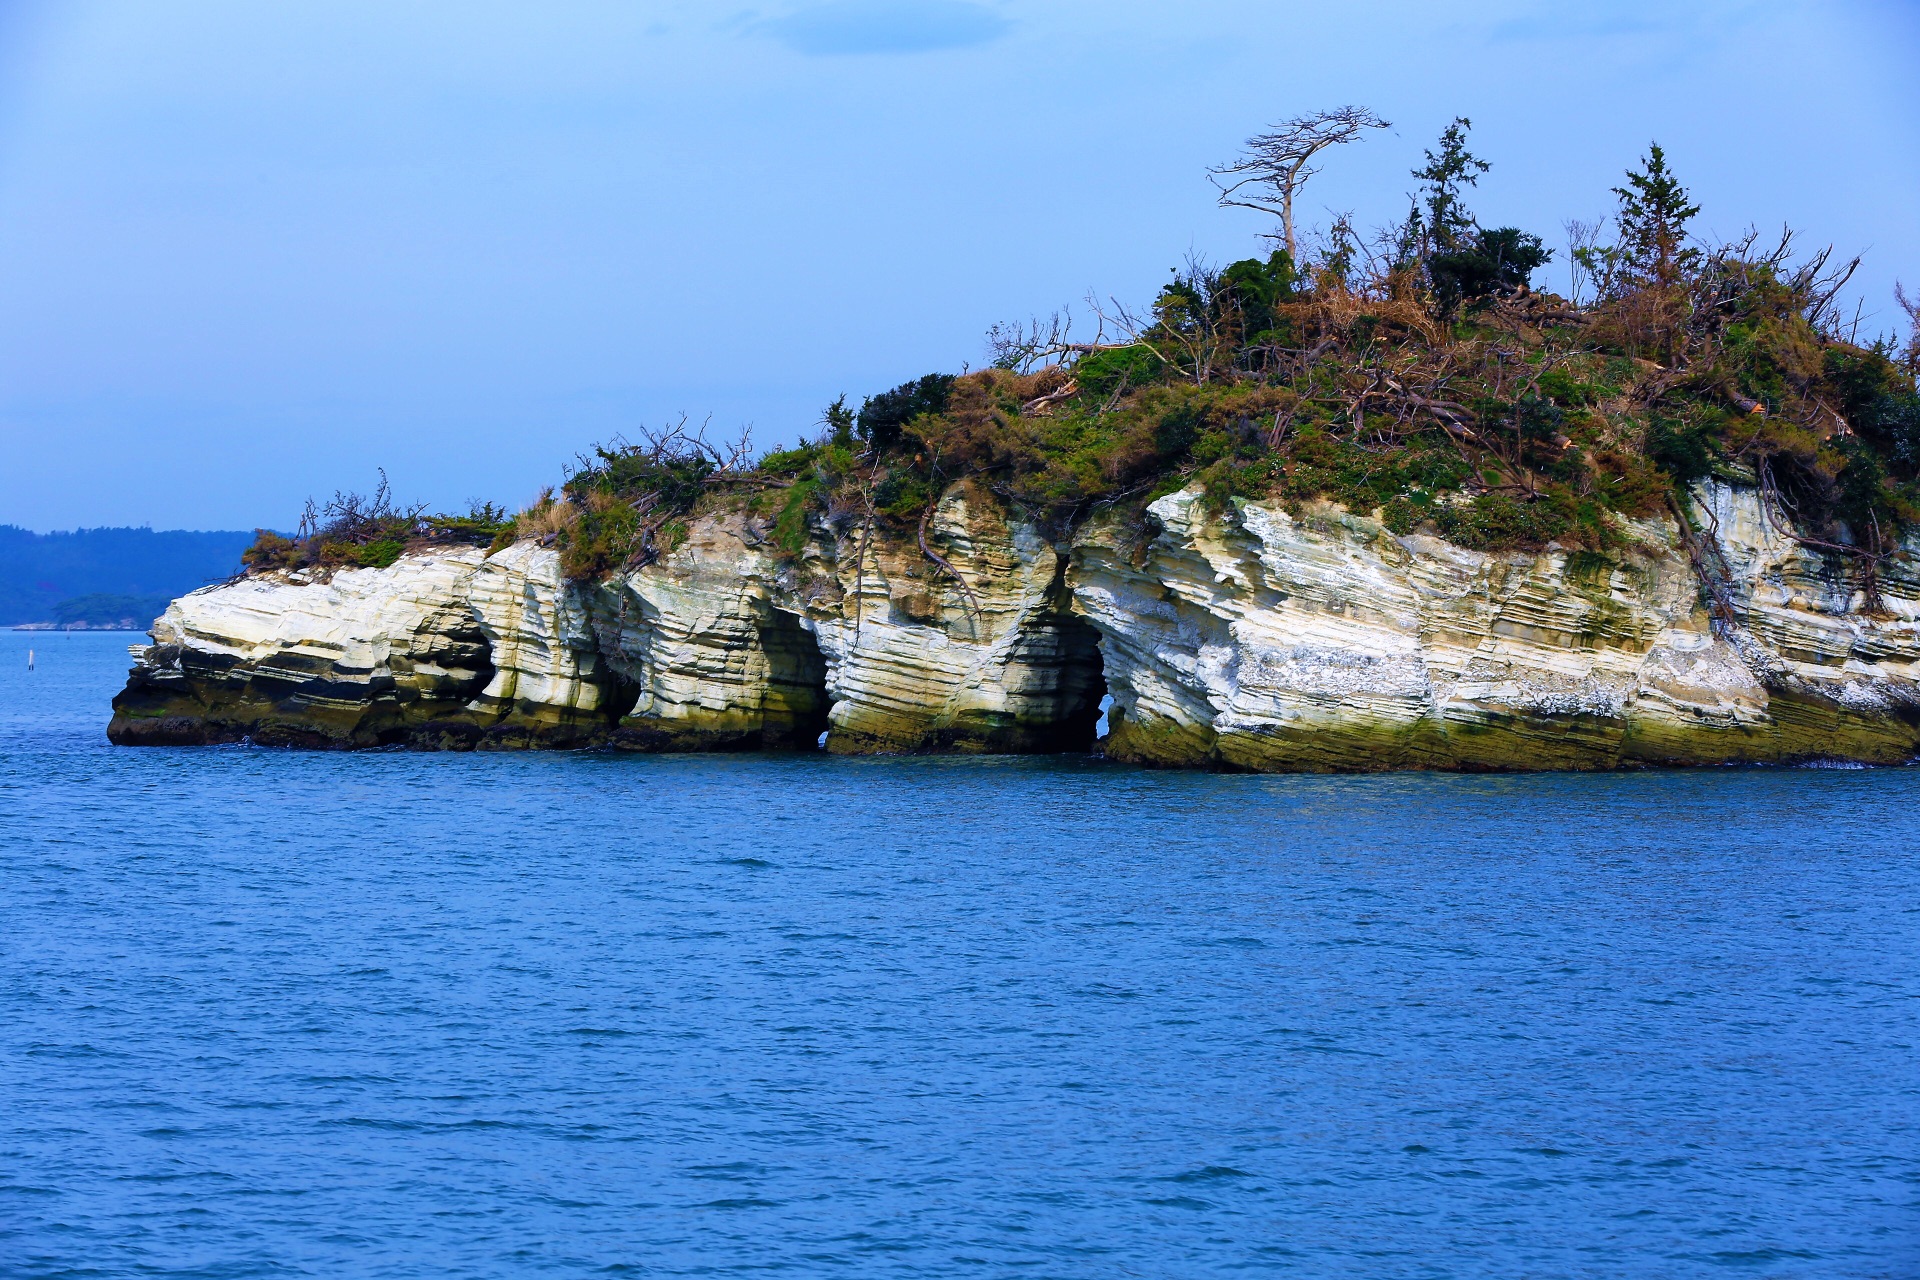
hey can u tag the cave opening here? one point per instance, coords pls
(793, 710)
(1080, 699)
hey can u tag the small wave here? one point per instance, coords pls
(1180, 1202)
(735, 1171)
(1758, 1257)
(1210, 1173)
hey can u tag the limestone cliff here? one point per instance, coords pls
(451, 648)
(1260, 640)
(722, 645)
(1251, 638)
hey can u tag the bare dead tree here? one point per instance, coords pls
(680, 444)
(1709, 568)
(1020, 345)
(1278, 163)
(1584, 261)
(1024, 346)
(1912, 307)
(1820, 280)
(355, 517)
(1119, 324)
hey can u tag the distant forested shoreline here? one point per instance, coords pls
(106, 577)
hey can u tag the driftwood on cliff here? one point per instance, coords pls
(1709, 568)
(1772, 501)
(946, 566)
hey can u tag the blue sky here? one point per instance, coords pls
(253, 251)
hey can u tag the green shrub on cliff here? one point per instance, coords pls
(883, 417)
(353, 530)
(628, 500)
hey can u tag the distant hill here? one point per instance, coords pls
(41, 572)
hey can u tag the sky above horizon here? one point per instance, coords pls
(253, 252)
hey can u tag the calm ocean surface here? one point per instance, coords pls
(265, 1013)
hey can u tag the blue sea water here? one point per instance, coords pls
(267, 1013)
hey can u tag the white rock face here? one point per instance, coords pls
(722, 645)
(1263, 641)
(730, 645)
(548, 671)
(1248, 639)
(445, 647)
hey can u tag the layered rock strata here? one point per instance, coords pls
(1250, 638)
(1257, 639)
(724, 644)
(451, 648)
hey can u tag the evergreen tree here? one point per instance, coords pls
(1654, 212)
(839, 421)
(1448, 225)
(1462, 263)
(1410, 239)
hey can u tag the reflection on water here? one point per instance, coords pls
(271, 1013)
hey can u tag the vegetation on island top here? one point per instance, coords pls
(352, 530)
(1416, 374)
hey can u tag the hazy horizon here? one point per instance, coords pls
(251, 254)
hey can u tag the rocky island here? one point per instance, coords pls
(1323, 511)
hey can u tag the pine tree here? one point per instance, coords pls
(839, 420)
(1448, 224)
(1654, 212)
(1462, 262)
